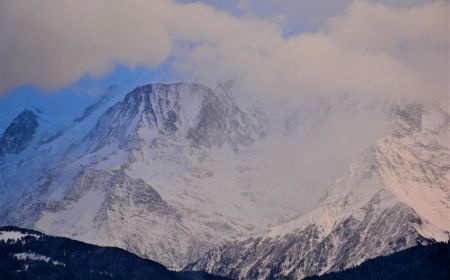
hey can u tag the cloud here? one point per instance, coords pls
(372, 49)
(54, 43)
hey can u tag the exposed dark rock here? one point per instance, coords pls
(19, 133)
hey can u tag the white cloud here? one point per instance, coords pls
(371, 49)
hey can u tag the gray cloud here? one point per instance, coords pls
(371, 49)
(54, 43)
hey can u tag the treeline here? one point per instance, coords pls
(77, 260)
(431, 262)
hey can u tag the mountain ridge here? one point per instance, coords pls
(385, 202)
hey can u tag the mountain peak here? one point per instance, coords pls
(181, 111)
(406, 118)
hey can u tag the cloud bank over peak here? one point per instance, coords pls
(371, 49)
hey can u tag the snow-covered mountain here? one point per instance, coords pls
(172, 171)
(139, 172)
(394, 196)
(167, 171)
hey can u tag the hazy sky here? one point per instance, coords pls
(274, 48)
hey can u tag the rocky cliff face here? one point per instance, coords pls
(394, 196)
(189, 112)
(19, 133)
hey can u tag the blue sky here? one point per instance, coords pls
(71, 100)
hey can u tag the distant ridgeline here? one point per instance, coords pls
(420, 262)
(28, 254)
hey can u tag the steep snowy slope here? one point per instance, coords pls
(396, 195)
(110, 178)
(167, 171)
(44, 150)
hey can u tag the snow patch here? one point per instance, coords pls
(14, 235)
(37, 257)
